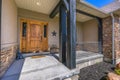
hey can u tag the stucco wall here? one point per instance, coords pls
(90, 35)
(9, 23)
(79, 28)
(87, 35)
(90, 31)
(8, 34)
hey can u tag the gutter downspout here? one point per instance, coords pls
(113, 42)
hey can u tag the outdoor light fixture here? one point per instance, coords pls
(105, 6)
(38, 3)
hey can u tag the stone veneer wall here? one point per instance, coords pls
(91, 47)
(8, 55)
(117, 38)
(107, 38)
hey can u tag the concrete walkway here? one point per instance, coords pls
(38, 68)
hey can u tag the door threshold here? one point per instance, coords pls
(35, 54)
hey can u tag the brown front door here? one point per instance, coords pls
(36, 37)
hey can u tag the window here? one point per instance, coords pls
(45, 31)
(24, 29)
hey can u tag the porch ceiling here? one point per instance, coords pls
(46, 6)
(42, 6)
(83, 18)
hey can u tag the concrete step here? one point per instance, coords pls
(84, 59)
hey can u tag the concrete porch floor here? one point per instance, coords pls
(43, 68)
(48, 68)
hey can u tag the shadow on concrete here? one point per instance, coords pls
(14, 71)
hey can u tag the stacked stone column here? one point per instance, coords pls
(107, 38)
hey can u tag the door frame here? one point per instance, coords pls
(20, 30)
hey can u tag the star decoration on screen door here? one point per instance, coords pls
(54, 33)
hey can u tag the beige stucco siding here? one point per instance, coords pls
(79, 29)
(53, 26)
(90, 36)
(90, 31)
(87, 32)
(9, 23)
